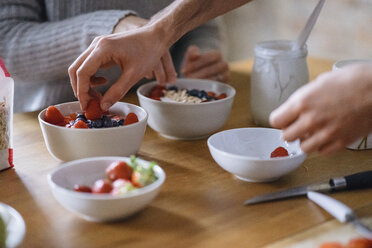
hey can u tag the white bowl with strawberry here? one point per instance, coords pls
(106, 188)
(69, 133)
(255, 154)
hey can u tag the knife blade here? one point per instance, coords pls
(359, 180)
(340, 211)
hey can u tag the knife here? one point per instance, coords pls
(340, 211)
(359, 180)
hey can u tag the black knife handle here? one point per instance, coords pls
(361, 180)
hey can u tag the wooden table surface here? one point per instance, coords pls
(200, 204)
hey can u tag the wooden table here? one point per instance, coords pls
(200, 204)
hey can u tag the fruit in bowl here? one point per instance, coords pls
(121, 178)
(93, 117)
(187, 120)
(255, 154)
(108, 203)
(74, 143)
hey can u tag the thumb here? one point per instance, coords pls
(192, 53)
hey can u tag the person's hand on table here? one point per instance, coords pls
(330, 112)
(137, 55)
(208, 65)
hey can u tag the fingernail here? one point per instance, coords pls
(105, 106)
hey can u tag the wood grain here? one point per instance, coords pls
(200, 205)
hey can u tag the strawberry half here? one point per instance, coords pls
(279, 152)
(54, 116)
(93, 111)
(130, 119)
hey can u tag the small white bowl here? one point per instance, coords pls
(188, 121)
(99, 207)
(15, 225)
(245, 152)
(67, 144)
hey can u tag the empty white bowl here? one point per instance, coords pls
(188, 121)
(245, 152)
(67, 144)
(15, 225)
(99, 207)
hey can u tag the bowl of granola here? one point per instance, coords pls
(190, 110)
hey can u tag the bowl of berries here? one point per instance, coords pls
(255, 154)
(191, 109)
(104, 189)
(69, 133)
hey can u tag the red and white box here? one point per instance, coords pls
(6, 118)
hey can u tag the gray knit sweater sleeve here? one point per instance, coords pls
(34, 48)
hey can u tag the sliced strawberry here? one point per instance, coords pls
(80, 124)
(54, 116)
(82, 188)
(94, 111)
(221, 96)
(130, 119)
(211, 94)
(73, 116)
(279, 152)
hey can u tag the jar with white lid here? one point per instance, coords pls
(277, 72)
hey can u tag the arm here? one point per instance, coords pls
(35, 49)
(138, 52)
(330, 112)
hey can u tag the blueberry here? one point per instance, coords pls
(173, 87)
(194, 92)
(202, 94)
(121, 122)
(106, 121)
(97, 123)
(89, 124)
(81, 117)
(115, 123)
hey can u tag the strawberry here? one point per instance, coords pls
(359, 243)
(221, 96)
(211, 94)
(54, 116)
(331, 245)
(157, 92)
(73, 116)
(93, 111)
(80, 124)
(130, 119)
(279, 152)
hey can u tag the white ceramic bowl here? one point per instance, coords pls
(245, 152)
(15, 225)
(99, 207)
(188, 121)
(67, 144)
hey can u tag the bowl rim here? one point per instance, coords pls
(17, 217)
(254, 159)
(41, 120)
(140, 95)
(89, 196)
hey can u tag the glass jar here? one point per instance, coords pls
(277, 72)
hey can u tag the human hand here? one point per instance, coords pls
(129, 23)
(209, 65)
(330, 112)
(139, 53)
